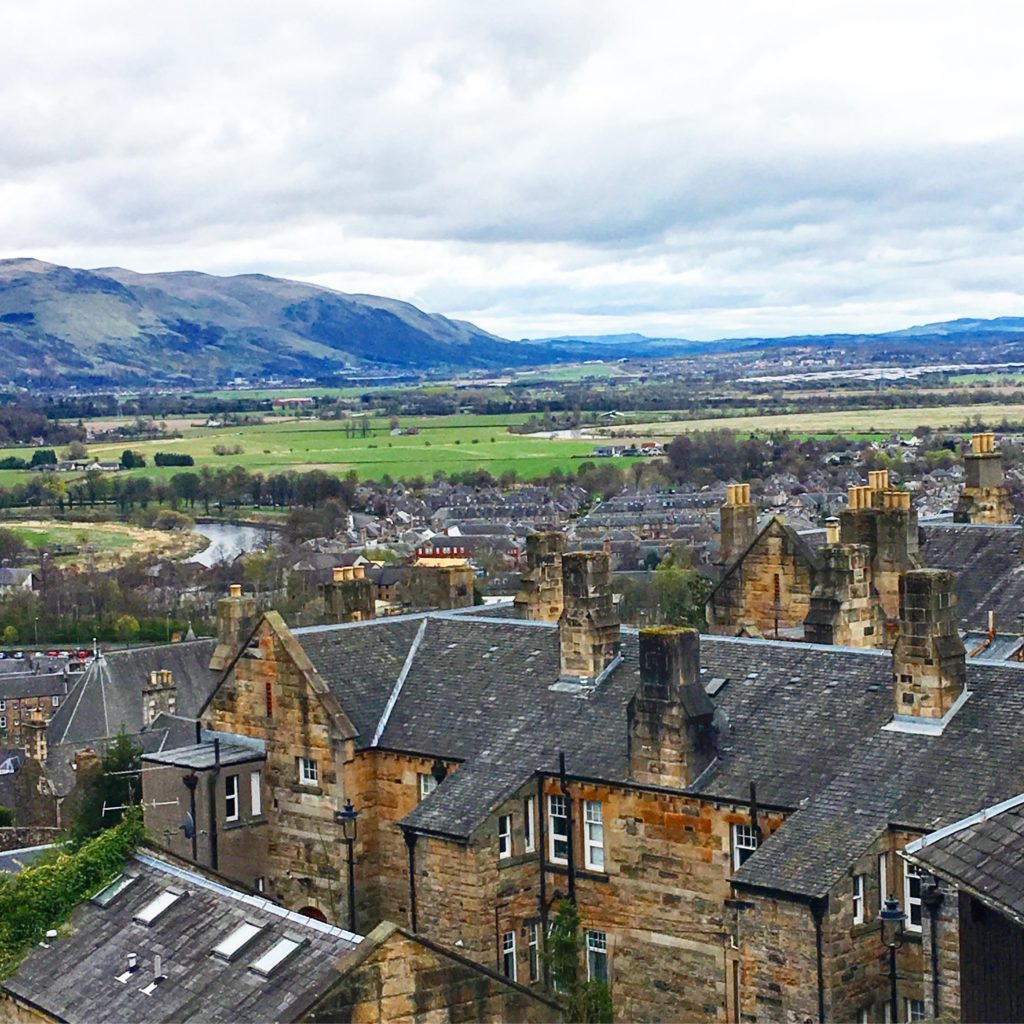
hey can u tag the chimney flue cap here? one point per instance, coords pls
(235, 590)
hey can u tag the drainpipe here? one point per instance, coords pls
(569, 824)
(213, 804)
(818, 908)
(191, 781)
(410, 842)
(541, 861)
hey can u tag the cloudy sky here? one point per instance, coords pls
(684, 169)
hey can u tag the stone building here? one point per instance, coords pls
(984, 498)
(727, 813)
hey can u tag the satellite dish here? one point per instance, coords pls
(189, 826)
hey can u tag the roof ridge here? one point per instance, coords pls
(399, 683)
(958, 826)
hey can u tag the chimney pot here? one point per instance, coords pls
(235, 590)
(338, 574)
(358, 572)
(133, 962)
(831, 530)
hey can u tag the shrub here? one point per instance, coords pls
(173, 459)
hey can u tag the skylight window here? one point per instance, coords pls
(152, 910)
(275, 956)
(233, 943)
(107, 894)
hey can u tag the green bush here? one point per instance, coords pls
(6, 817)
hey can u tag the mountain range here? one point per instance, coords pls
(94, 328)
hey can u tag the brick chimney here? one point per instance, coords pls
(588, 628)
(738, 517)
(159, 695)
(843, 608)
(929, 662)
(671, 736)
(985, 498)
(884, 521)
(236, 616)
(540, 589)
(349, 597)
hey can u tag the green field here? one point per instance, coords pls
(449, 443)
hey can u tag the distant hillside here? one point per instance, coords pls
(60, 325)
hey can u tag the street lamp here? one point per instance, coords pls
(892, 918)
(346, 817)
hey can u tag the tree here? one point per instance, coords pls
(10, 635)
(126, 628)
(682, 595)
(76, 451)
(132, 460)
(585, 1001)
(116, 784)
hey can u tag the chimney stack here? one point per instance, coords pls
(671, 736)
(159, 695)
(540, 590)
(236, 616)
(348, 597)
(985, 498)
(843, 609)
(929, 660)
(738, 517)
(588, 628)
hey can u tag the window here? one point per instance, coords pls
(744, 843)
(3, 705)
(3, 721)
(529, 838)
(275, 956)
(912, 896)
(108, 893)
(508, 955)
(597, 956)
(231, 798)
(256, 794)
(593, 846)
(152, 910)
(236, 940)
(915, 1010)
(883, 880)
(427, 784)
(864, 1015)
(55, 701)
(558, 829)
(858, 899)
(261, 884)
(534, 949)
(505, 835)
(308, 774)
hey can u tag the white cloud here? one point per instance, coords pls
(539, 168)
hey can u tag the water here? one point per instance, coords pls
(227, 541)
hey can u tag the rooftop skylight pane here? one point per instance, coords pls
(152, 910)
(106, 895)
(275, 956)
(235, 940)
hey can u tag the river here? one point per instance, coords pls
(228, 540)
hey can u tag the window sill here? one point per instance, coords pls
(516, 860)
(302, 787)
(592, 876)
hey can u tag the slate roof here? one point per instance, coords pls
(28, 684)
(75, 978)
(202, 756)
(804, 722)
(983, 854)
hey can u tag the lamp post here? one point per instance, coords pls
(892, 918)
(346, 817)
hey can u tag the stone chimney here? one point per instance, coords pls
(437, 586)
(985, 498)
(843, 608)
(159, 695)
(671, 735)
(738, 518)
(929, 662)
(883, 520)
(236, 617)
(540, 589)
(349, 597)
(588, 629)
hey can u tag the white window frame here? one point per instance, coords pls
(504, 836)
(231, 800)
(529, 825)
(427, 784)
(858, 899)
(533, 946)
(597, 946)
(556, 800)
(309, 772)
(593, 835)
(55, 701)
(864, 1015)
(508, 954)
(3, 721)
(256, 793)
(912, 873)
(909, 1015)
(744, 840)
(883, 880)
(3, 705)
